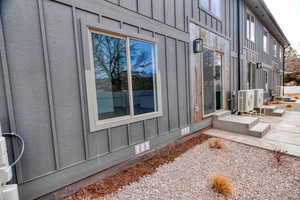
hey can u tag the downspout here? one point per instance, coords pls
(283, 68)
(238, 53)
(239, 43)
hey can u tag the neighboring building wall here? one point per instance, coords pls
(254, 52)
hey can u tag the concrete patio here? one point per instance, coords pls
(284, 134)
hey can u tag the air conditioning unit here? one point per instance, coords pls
(245, 101)
(258, 98)
(279, 91)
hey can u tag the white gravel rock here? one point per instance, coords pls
(253, 171)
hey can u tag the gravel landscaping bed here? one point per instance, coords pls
(133, 173)
(295, 106)
(254, 173)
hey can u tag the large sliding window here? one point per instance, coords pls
(214, 6)
(124, 78)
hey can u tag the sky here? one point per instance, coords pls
(287, 15)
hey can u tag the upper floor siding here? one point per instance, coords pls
(176, 13)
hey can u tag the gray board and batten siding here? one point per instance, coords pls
(43, 94)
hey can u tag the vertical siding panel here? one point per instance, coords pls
(172, 82)
(188, 85)
(25, 59)
(130, 4)
(80, 82)
(136, 132)
(158, 10)
(93, 18)
(170, 12)
(188, 12)
(179, 14)
(119, 137)
(181, 74)
(4, 122)
(145, 7)
(196, 10)
(163, 122)
(98, 143)
(59, 25)
(150, 128)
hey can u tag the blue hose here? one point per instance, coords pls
(21, 140)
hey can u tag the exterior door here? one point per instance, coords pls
(212, 82)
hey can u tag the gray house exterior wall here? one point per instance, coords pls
(42, 51)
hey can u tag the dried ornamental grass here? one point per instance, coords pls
(216, 144)
(222, 185)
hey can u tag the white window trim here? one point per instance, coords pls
(95, 123)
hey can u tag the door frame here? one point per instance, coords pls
(205, 116)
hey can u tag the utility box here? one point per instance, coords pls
(7, 192)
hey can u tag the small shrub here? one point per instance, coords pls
(216, 144)
(278, 155)
(289, 105)
(222, 185)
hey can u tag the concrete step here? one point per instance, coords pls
(259, 130)
(284, 98)
(269, 109)
(235, 123)
(278, 112)
(291, 100)
(221, 114)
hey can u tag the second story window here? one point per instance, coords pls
(250, 27)
(265, 41)
(280, 53)
(275, 48)
(213, 6)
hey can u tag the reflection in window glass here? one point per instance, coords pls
(111, 76)
(252, 29)
(205, 4)
(248, 27)
(143, 76)
(265, 41)
(275, 49)
(216, 7)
